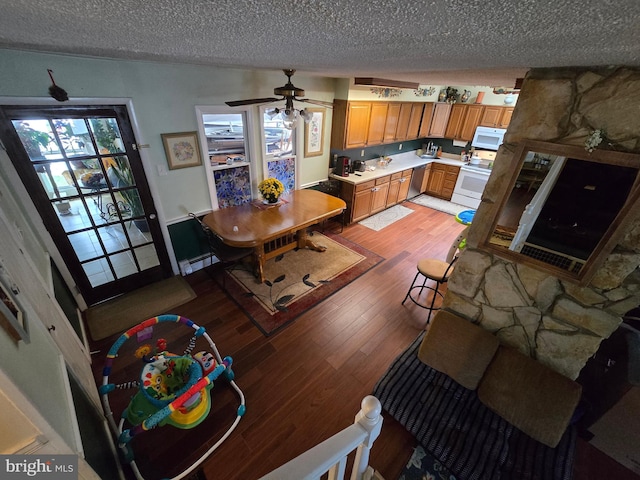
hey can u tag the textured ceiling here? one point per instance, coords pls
(461, 42)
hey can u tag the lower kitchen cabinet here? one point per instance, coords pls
(366, 198)
(399, 187)
(442, 180)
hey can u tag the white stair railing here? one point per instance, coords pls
(330, 456)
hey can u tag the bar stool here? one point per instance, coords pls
(431, 269)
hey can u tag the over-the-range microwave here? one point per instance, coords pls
(488, 138)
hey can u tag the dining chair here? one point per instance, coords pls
(227, 255)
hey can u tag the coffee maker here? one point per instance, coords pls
(342, 166)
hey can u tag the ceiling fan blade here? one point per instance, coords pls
(252, 101)
(315, 102)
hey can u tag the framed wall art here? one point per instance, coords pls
(314, 133)
(182, 149)
(12, 317)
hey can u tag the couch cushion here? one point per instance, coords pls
(529, 395)
(458, 348)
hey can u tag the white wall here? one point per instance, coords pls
(164, 97)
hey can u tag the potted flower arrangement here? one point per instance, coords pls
(271, 189)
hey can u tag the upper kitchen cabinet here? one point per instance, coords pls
(425, 123)
(403, 122)
(413, 131)
(377, 122)
(463, 121)
(350, 124)
(439, 120)
(391, 126)
(496, 116)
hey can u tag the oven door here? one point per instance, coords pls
(469, 187)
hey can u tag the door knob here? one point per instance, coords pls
(152, 216)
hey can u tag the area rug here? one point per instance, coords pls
(123, 312)
(385, 218)
(617, 433)
(423, 466)
(439, 204)
(298, 280)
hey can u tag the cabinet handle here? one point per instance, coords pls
(375, 189)
(403, 179)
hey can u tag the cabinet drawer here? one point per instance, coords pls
(407, 173)
(381, 180)
(396, 176)
(452, 169)
(365, 186)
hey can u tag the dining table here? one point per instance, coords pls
(273, 229)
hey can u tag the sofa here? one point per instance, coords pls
(484, 410)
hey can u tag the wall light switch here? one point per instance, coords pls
(362, 153)
(400, 147)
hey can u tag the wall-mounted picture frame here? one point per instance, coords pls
(314, 133)
(12, 317)
(182, 149)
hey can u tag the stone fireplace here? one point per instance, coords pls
(556, 321)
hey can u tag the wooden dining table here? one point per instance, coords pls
(274, 229)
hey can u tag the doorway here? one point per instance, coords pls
(83, 171)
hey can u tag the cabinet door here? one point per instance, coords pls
(425, 179)
(405, 183)
(394, 190)
(491, 116)
(505, 118)
(449, 182)
(454, 125)
(393, 114)
(377, 121)
(357, 124)
(403, 121)
(425, 123)
(361, 205)
(379, 197)
(440, 118)
(471, 121)
(414, 121)
(436, 180)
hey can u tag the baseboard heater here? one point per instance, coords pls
(188, 266)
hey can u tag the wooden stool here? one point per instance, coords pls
(431, 269)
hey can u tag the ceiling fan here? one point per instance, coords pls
(289, 93)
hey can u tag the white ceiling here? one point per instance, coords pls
(459, 42)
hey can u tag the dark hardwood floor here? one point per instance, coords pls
(306, 382)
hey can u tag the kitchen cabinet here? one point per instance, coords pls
(377, 122)
(350, 124)
(425, 122)
(496, 116)
(505, 119)
(425, 178)
(456, 117)
(463, 121)
(471, 121)
(366, 198)
(439, 120)
(442, 180)
(414, 121)
(393, 115)
(399, 187)
(403, 122)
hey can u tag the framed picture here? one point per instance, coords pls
(314, 133)
(12, 318)
(182, 149)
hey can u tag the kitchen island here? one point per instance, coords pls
(369, 192)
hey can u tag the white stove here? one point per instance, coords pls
(471, 182)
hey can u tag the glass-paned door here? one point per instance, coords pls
(83, 171)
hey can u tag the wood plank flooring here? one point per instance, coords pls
(306, 382)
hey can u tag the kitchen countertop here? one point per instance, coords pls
(399, 162)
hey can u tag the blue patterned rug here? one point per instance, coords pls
(422, 466)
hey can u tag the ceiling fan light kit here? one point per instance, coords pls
(289, 93)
